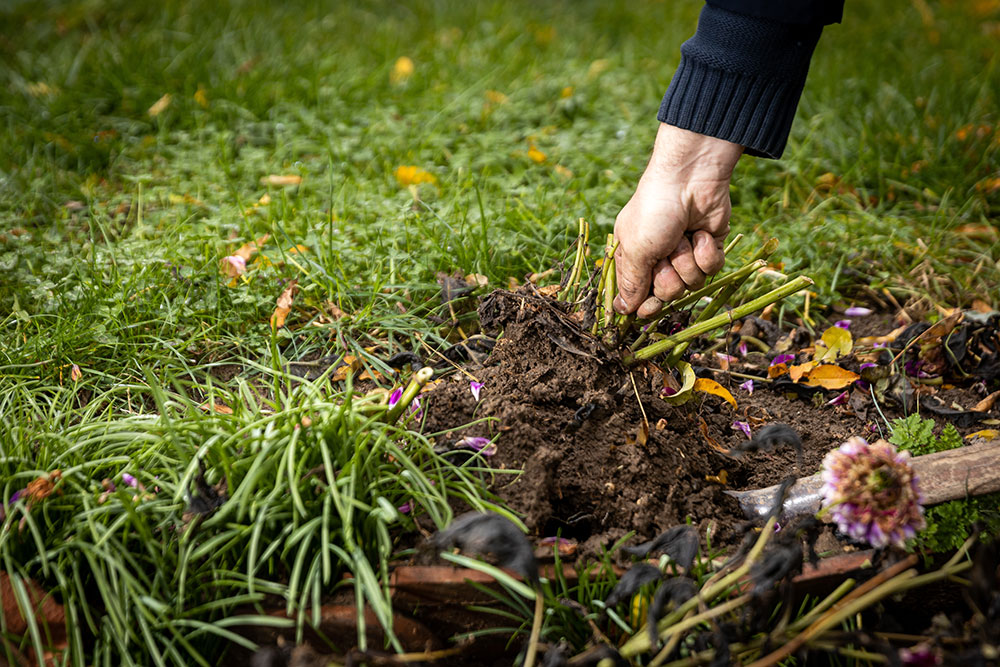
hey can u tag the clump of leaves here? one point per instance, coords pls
(949, 524)
(916, 435)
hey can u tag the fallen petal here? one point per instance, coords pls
(742, 426)
(475, 388)
(857, 311)
(747, 386)
(843, 324)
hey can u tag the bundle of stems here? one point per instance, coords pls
(647, 343)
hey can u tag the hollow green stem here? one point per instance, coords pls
(417, 382)
(705, 326)
(568, 293)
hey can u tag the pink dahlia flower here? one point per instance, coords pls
(872, 493)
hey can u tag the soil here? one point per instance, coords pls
(568, 415)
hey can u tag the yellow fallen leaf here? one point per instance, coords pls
(536, 155)
(722, 478)
(284, 305)
(220, 408)
(298, 249)
(407, 175)
(708, 386)
(495, 97)
(160, 105)
(835, 342)
(402, 70)
(200, 97)
(281, 180)
(567, 91)
(831, 376)
(40, 89)
(563, 171)
(985, 434)
(868, 341)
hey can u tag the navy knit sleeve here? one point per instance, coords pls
(740, 79)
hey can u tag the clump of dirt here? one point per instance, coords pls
(570, 418)
(569, 415)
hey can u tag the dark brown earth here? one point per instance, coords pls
(568, 415)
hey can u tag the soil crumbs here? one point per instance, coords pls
(568, 414)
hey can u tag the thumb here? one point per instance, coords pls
(633, 275)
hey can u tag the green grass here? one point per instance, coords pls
(113, 223)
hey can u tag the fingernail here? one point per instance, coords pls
(620, 306)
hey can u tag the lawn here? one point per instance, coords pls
(362, 150)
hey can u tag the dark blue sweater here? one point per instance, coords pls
(741, 75)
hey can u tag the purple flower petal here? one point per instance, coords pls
(867, 364)
(747, 386)
(16, 496)
(406, 507)
(843, 324)
(668, 391)
(130, 480)
(475, 388)
(481, 445)
(782, 359)
(857, 311)
(395, 396)
(743, 349)
(742, 426)
(415, 407)
(551, 541)
(840, 399)
(726, 357)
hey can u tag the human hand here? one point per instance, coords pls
(670, 233)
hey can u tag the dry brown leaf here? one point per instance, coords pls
(981, 306)
(284, 305)
(281, 180)
(868, 341)
(160, 105)
(75, 373)
(42, 487)
(513, 283)
(709, 386)
(703, 427)
(220, 408)
(945, 326)
(549, 290)
(477, 279)
(335, 310)
(831, 376)
(987, 403)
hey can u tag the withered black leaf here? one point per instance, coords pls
(483, 534)
(403, 358)
(679, 542)
(671, 593)
(776, 563)
(208, 499)
(768, 438)
(637, 576)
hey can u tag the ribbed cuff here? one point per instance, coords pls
(740, 79)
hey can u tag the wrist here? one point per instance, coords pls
(683, 156)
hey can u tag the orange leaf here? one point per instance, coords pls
(984, 405)
(221, 408)
(284, 306)
(348, 364)
(75, 373)
(831, 376)
(796, 372)
(707, 386)
(777, 370)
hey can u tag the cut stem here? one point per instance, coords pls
(695, 330)
(417, 382)
(569, 292)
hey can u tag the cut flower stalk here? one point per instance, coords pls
(699, 328)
